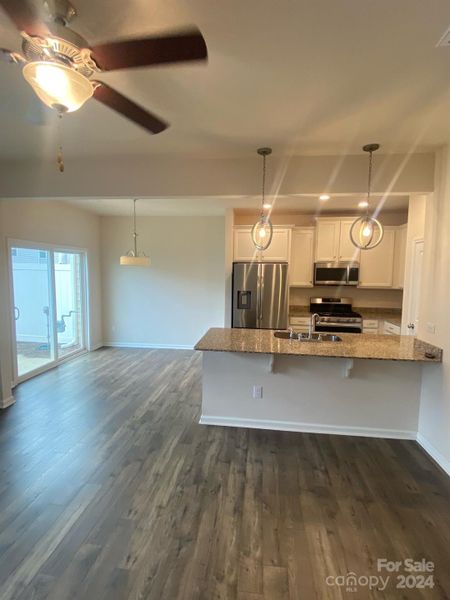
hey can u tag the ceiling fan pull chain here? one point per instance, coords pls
(59, 156)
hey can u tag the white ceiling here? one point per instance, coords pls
(307, 77)
(216, 205)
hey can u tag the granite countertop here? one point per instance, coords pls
(263, 341)
(393, 315)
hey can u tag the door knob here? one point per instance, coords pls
(411, 326)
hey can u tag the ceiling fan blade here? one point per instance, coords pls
(25, 16)
(126, 54)
(126, 107)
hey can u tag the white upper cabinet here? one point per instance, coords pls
(278, 251)
(302, 257)
(377, 265)
(333, 241)
(327, 241)
(399, 257)
(244, 250)
(347, 251)
(280, 246)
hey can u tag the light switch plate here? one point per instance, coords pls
(257, 392)
(431, 328)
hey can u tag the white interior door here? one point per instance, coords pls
(415, 288)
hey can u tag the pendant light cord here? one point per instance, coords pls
(369, 181)
(263, 185)
(134, 227)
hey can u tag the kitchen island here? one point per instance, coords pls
(363, 385)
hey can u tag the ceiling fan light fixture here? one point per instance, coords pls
(58, 86)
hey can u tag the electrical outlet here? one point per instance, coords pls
(257, 392)
(431, 328)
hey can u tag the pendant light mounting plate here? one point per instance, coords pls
(371, 147)
(264, 151)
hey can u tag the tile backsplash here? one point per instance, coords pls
(360, 297)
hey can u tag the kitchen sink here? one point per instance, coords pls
(305, 337)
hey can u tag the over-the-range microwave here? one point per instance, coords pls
(336, 273)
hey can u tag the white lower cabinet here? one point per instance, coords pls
(370, 326)
(300, 323)
(376, 326)
(391, 329)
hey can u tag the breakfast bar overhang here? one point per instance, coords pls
(363, 385)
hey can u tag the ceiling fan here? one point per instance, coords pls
(61, 67)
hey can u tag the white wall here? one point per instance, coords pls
(173, 302)
(418, 208)
(434, 418)
(52, 223)
(380, 398)
(137, 176)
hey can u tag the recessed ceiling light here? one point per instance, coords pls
(267, 205)
(363, 204)
(324, 197)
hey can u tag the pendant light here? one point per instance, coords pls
(367, 232)
(133, 258)
(262, 230)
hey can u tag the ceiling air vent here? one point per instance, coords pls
(445, 39)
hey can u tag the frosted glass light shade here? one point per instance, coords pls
(58, 86)
(366, 233)
(134, 261)
(262, 232)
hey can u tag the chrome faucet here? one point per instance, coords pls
(312, 323)
(292, 334)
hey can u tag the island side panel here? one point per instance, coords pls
(378, 399)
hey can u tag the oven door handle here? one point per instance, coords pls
(343, 325)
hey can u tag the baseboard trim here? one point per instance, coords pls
(7, 402)
(434, 454)
(95, 347)
(143, 345)
(308, 427)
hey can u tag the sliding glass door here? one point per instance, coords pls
(69, 306)
(48, 300)
(32, 289)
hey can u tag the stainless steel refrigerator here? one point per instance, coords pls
(260, 295)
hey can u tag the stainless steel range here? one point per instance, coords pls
(335, 315)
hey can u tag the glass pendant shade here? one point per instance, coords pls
(366, 233)
(262, 232)
(58, 86)
(128, 260)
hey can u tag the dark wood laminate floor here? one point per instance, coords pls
(110, 489)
